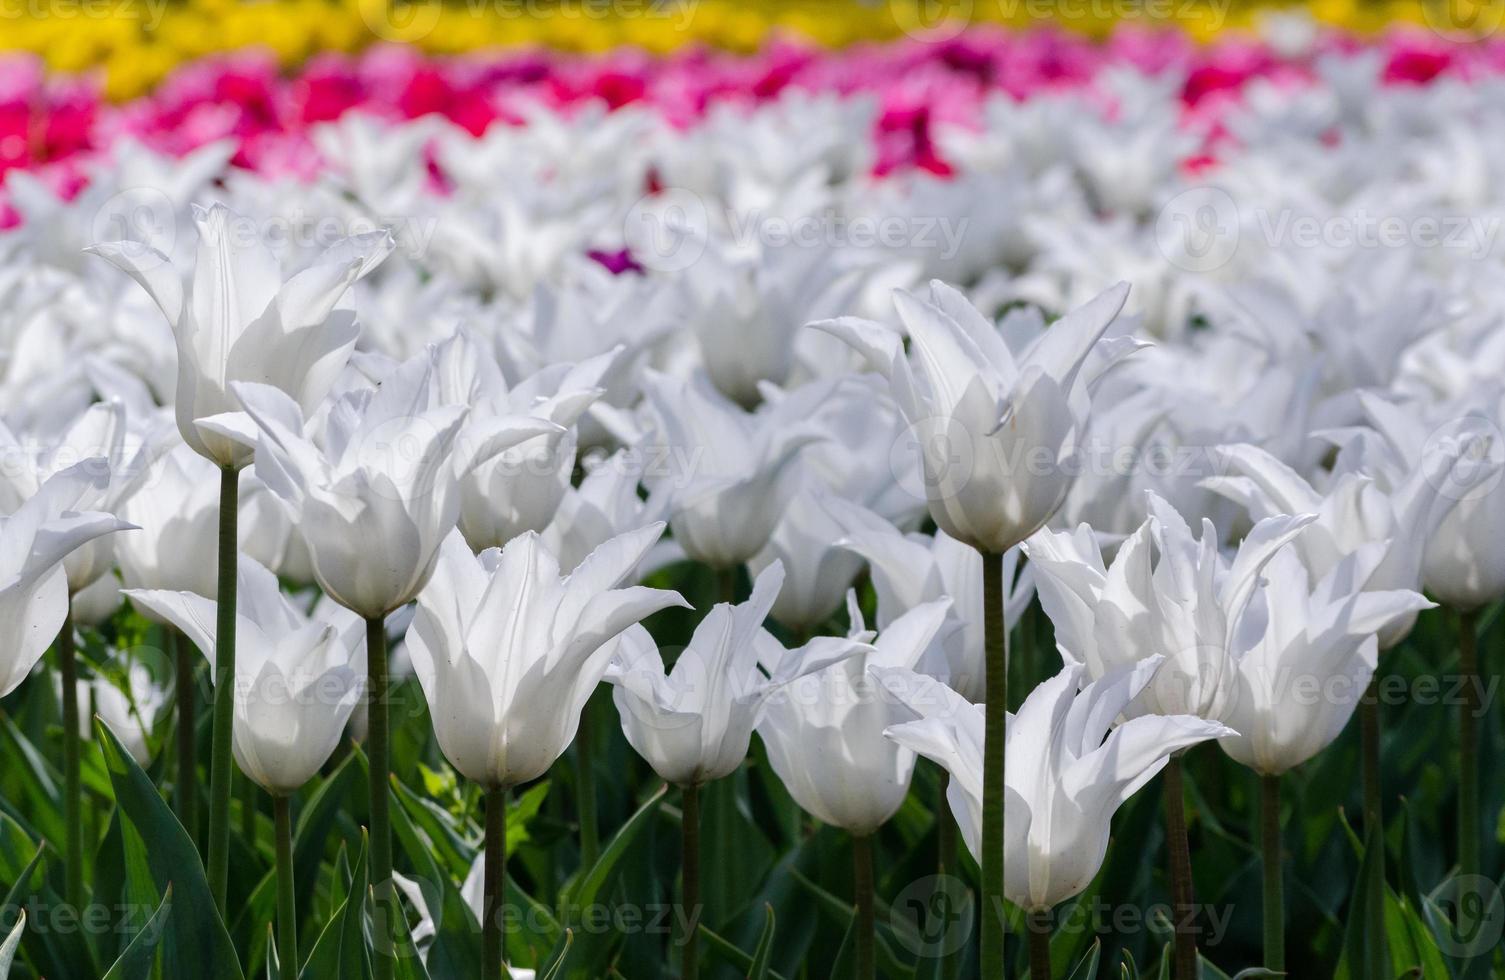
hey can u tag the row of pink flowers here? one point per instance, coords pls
(51, 125)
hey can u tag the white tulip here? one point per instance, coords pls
(996, 434)
(375, 498)
(824, 731)
(508, 651)
(605, 505)
(910, 569)
(1299, 682)
(1166, 595)
(1355, 510)
(694, 724)
(240, 321)
(1065, 772)
(34, 542)
(724, 465)
(101, 433)
(178, 516)
(297, 678)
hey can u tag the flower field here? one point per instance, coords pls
(718, 490)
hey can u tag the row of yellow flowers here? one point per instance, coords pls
(136, 42)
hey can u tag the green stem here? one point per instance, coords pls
(690, 884)
(72, 780)
(945, 865)
(379, 779)
(221, 770)
(1374, 815)
(495, 884)
(585, 788)
(187, 697)
(726, 582)
(1468, 744)
(1179, 851)
(862, 877)
(1039, 944)
(997, 685)
(287, 908)
(248, 791)
(1274, 909)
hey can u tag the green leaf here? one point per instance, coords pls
(764, 950)
(727, 950)
(587, 889)
(340, 950)
(136, 962)
(8, 948)
(1087, 968)
(198, 946)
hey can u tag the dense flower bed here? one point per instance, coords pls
(645, 485)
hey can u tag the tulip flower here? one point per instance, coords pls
(695, 723)
(297, 681)
(725, 467)
(508, 652)
(374, 500)
(1463, 564)
(239, 321)
(908, 570)
(1299, 682)
(996, 436)
(1067, 773)
(1184, 610)
(824, 734)
(35, 542)
(1357, 509)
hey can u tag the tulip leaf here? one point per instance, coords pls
(273, 962)
(136, 962)
(407, 964)
(764, 949)
(719, 945)
(586, 890)
(8, 947)
(585, 893)
(552, 973)
(340, 950)
(456, 947)
(1087, 968)
(198, 947)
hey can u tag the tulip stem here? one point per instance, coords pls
(1182, 891)
(248, 811)
(378, 779)
(1039, 944)
(72, 780)
(690, 885)
(1468, 744)
(495, 883)
(287, 908)
(995, 643)
(865, 924)
(585, 791)
(1374, 814)
(945, 862)
(1274, 909)
(187, 698)
(221, 771)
